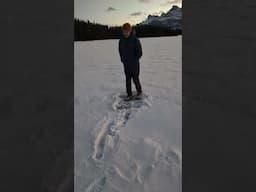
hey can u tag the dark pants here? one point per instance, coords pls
(132, 74)
(137, 84)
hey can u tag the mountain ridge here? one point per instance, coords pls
(171, 19)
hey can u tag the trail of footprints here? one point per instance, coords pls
(97, 185)
(139, 170)
(107, 143)
(108, 136)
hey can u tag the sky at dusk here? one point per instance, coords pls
(117, 12)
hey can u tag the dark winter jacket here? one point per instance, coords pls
(130, 52)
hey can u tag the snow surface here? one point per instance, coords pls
(128, 146)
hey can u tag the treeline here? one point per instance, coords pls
(86, 30)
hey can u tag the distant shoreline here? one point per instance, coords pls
(118, 38)
(87, 31)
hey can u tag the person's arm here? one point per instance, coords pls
(120, 51)
(138, 49)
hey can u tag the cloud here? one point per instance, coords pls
(138, 13)
(171, 2)
(111, 9)
(157, 13)
(145, 1)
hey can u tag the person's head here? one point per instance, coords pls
(126, 29)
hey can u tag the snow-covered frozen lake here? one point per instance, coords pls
(136, 147)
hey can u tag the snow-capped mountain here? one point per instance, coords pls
(172, 19)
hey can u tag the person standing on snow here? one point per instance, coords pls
(130, 52)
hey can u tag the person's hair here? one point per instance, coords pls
(126, 27)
